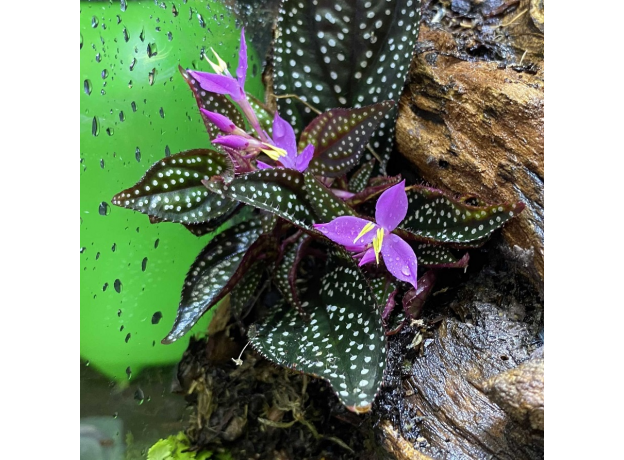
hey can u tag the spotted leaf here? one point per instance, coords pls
(344, 54)
(434, 215)
(344, 341)
(171, 190)
(360, 178)
(340, 136)
(326, 205)
(213, 103)
(243, 294)
(204, 228)
(216, 270)
(439, 257)
(278, 190)
(286, 273)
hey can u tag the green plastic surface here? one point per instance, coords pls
(131, 271)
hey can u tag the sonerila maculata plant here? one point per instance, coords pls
(337, 241)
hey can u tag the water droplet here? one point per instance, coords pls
(88, 363)
(123, 5)
(151, 50)
(139, 396)
(162, 112)
(126, 36)
(98, 58)
(405, 270)
(87, 87)
(104, 209)
(254, 70)
(144, 263)
(97, 256)
(81, 41)
(170, 36)
(102, 92)
(119, 312)
(167, 151)
(156, 317)
(132, 64)
(105, 287)
(324, 230)
(104, 73)
(109, 131)
(122, 116)
(117, 285)
(128, 337)
(151, 76)
(137, 154)
(130, 84)
(133, 105)
(121, 328)
(174, 10)
(82, 249)
(102, 163)
(118, 19)
(128, 372)
(116, 414)
(142, 35)
(94, 22)
(95, 127)
(156, 243)
(114, 247)
(202, 23)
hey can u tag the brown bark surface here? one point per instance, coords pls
(476, 127)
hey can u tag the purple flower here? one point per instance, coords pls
(369, 239)
(286, 152)
(222, 82)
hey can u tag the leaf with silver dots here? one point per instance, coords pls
(216, 270)
(326, 205)
(344, 341)
(344, 54)
(435, 215)
(277, 190)
(340, 136)
(172, 190)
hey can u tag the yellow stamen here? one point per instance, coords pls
(367, 228)
(274, 152)
(214, 66)
(222, 64)
(377, 241)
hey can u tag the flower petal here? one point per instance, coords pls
(369, 256)
(391, 207)
(219, 84)
(241, 70)
(284, 136)
(234, 142)
(263, 165)
(303, 159)
(399, 258)
(222, 122)
(343, 230)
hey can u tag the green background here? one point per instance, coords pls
(149, 261)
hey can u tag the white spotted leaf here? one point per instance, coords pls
(433, 256)
(344, 54)
(377, 187)
(326, 205)
(243, 293)
(216, 270)
(172, 190)
(280, 191)
(285, 275)
(360, 178)
(343, 342)
(340, 136)
(435, 216)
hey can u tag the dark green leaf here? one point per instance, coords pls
(439, 257)
(214, 103)
(339, 137)
(326, 205)
(346, 54)
(217, 269)
(434, 215)
(212, 225)
(245, 290)
(286, 272)
(172, 190)
(360, 178)
(344, 342)
(278, 190)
